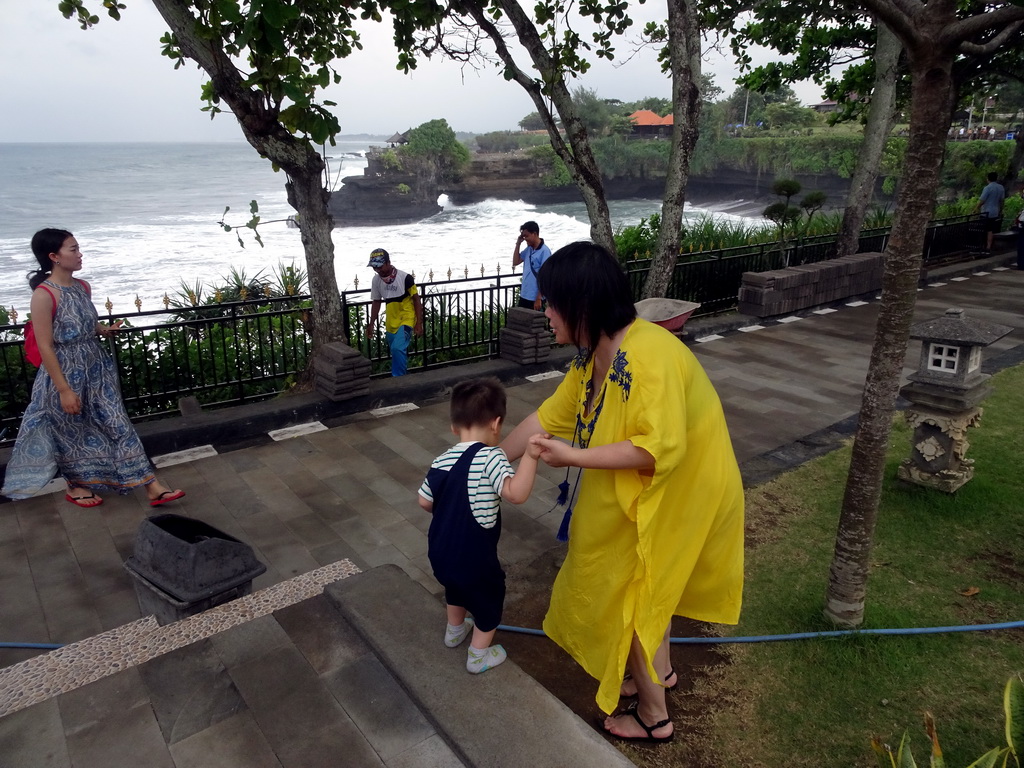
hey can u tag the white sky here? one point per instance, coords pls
(110, 83)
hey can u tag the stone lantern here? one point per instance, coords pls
(944, 394)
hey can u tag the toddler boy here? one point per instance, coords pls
(463, 490)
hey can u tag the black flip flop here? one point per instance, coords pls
(631, 710)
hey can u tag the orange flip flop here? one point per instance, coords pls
(92, 498)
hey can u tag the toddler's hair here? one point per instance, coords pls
(476, 402)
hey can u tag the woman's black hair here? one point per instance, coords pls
(590, 290)
(45, 242)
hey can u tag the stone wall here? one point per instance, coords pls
(782, 291)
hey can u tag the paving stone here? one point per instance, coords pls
(321, 634)
(236, 741)
(243, 644)
(110, 723)
(190, 690)
(303, 723)
(430, 753)
(378, 706)
(34, 738)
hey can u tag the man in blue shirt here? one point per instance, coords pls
(991, 207)
(532, 258)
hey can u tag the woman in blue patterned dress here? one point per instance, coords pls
(76, 424)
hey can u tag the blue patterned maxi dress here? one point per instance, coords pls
(98, 448)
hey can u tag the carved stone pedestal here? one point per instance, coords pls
(340, 372)
(938, 448)
(526, 338)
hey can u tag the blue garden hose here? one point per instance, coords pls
(34, 646)
(812, 635)
(722, 640)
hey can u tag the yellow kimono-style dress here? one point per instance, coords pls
(643, 545)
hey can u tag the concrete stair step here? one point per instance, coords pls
(502, 718)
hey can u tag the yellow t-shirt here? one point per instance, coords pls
(397, 296)
(646, 546)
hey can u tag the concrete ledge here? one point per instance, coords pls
(500, 719)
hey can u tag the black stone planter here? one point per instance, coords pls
(183, 566)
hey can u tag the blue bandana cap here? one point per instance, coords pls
(378, 258)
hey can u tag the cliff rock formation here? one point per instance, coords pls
(386, 195)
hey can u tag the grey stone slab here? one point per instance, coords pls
(303, 723)
(190, 690)
(236, 741)
(321, 634)
(34, 738)
(110, 723)
(378, 706)
(501, 718)
(243, 461)
(330, 507)
(406, 537)
(311, 530)
(430, 753)
(246, 642)
(348, 486)
(335, 551)
(117, 608)
(361, 535)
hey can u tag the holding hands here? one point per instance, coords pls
(553, 452)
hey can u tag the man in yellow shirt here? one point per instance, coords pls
(403, 314)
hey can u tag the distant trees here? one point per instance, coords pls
(532, 122)
(435, 141)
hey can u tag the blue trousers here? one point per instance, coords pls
(398, 343)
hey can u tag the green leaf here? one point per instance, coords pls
(230, 11)
(278, 14)
(254, 207)
(904, 758)
(1013, 707)
(989, 759)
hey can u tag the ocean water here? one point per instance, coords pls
(146, 216)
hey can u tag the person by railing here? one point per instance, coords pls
(228, 352)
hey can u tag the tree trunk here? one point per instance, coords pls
(307, 195)
(296, 156)
(931, 94)
(684, 47)
(876, 133)
(574, 150)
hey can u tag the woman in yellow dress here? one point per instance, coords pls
(657, 529)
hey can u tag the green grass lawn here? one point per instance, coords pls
(938, 560)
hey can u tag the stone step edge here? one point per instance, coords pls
(502, 718)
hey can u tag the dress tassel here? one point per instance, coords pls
(563, 529)
(563, 490)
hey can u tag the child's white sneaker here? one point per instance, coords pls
(480, 660)
(454, 636)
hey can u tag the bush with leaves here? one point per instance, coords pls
(1003, 757)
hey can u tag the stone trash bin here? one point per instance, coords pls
(183, 566)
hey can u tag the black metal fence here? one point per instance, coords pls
(235, 352)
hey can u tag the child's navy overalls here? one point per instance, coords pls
(463, 554)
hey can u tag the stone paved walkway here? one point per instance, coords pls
(288, 686)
